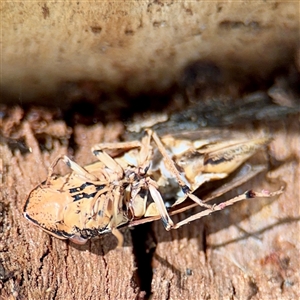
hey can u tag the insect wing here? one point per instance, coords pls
(246, 173)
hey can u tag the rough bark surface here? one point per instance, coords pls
(248, 251)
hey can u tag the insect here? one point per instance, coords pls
(135, 185)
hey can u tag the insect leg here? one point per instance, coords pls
(116, 232)
(247, 195)
(117, 146)
(117, 216)
(99, 151)
(94, 205)
(72, 165)
(108, 161)
(172, 168)
(145, 153)
(156, 196)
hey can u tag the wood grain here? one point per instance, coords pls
(248, 251)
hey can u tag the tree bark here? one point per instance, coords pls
(247, 251)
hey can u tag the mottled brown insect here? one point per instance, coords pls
(134, 187)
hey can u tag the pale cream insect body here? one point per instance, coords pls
(130, 187)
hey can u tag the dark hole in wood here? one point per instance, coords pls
(144, 245)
